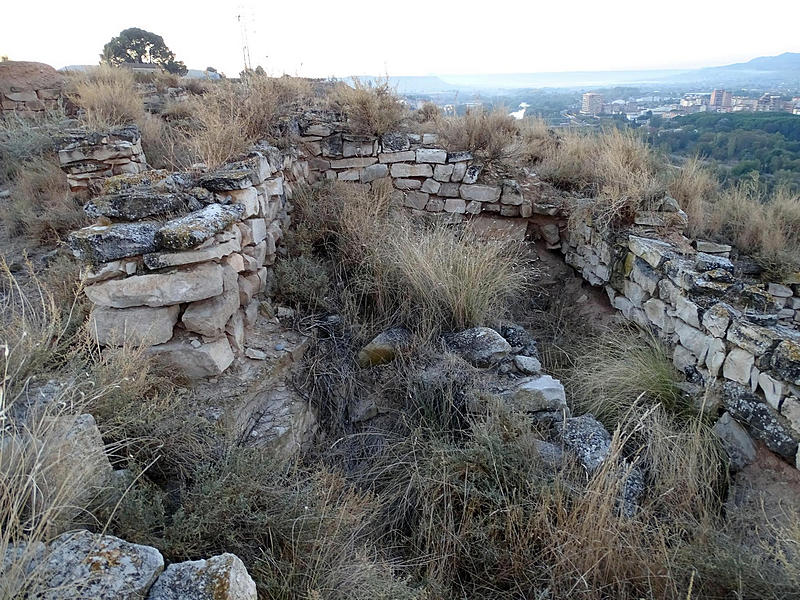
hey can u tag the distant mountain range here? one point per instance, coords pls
(765, 71)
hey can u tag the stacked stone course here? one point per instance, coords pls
(90, 157)
(177, 265)
(29, 88)
(730, 333)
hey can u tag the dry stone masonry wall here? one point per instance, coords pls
(88, 158)
(176, 264)
(29, 88)
(732, 334)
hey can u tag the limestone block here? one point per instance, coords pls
(480, 193)
(235, 261)
(109, 270)
(353, 163)
(642, 273)
(785, 361)
(512, 193)
(479, 346)
(656, 312)
(455, 205)
(457, 157)
(773, 389)
(736, 441)
(683, 358)
(225, 180)
(349, 175)
(738, 365)
(754, 338)
(208, 317)
(251, 313)
(393, 157)
(435, 204)
(234, 329)
(459, 170)
(259, 229)
(622, 304)
(471, 174)
(430, 186)
(542, 392)
(407, 184)
(222, 577)
(249, 285)
(779, 290)
(529, 365)
(431, 155)
(687, 311)
(395, 142)
(273, 187)
(196, 227)
(350, 149)
(634, 293)
(707, 262)
(134, 205)
(102, 567)
(586, 437)
(406, 170)
(473, 208)
(258, 253)
(384, 347)
(189, 356)
(214, 251)
(716, 320)
(416, 200)
(449, 190)
(711, 247)
(442, 173)
(163, 289)
(653, 252)
(373, 172)
(105, 243)
(139, 325)
(248, 199)
(715, 357)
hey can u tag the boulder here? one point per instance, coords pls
(196, 227)
(540, 393)
(762, 421)
(586, 437)
(138, 325)
(134, 205)
(222, 577)
(159, 289)
(384, 347)
(481, 346)
(104, 243)
(187, 355)
(102, 567)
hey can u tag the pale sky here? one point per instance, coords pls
(411, 37)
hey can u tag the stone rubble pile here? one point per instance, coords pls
(81, 564)
(177, 265)
(730, 333)
(90, 157)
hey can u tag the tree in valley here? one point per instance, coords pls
(136, 45)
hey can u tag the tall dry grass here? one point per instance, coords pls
(370, 108)
(491, 135)
(107, 96)
(695, 188)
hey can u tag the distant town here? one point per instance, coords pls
(718, 101)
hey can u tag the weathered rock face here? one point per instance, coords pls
(84, 565)
(222, 577)
(99, 244)
(588, 439)
(163, 289)
(541, 393)
(195, 228)
(481, 346)
(194, 358)
(209, 317)
(134, 205)
(138, 325)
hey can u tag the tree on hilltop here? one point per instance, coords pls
(134, 45)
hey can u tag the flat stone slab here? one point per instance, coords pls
(224, 180)
(159, 289)
(193, 229)
(188, 355)
(138, 325)
(134, 205)
(160, 260)
(104, 243)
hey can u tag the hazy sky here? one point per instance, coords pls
(412, 37)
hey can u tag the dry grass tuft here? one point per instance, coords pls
(694, 187)
(371, 109)
(490, 135)
(107, 95)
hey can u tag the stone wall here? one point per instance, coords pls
(731, 334)
(29, 88)
(88, 158)
(427, 178)
(176, 263)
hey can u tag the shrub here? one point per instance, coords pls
(23, 139)
(370, 108)
(428, 113)
(491, 136)
(167, 143)
(107, 95)
(41, 207)
(623, 369)
(303, 281)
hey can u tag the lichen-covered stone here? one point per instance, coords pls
(480, 346)
(134, 205)
(762, 421)
(214, 251)
(102, 567)
(224, 180)
(786, 361)
(586, 437)
(104, 243)
(736, 441)
(222, 577)
(193, 229)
